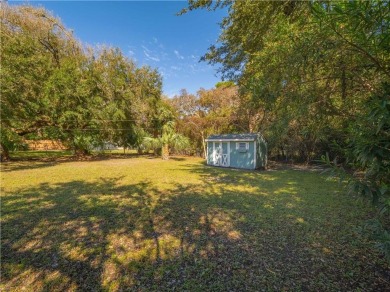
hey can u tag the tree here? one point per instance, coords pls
(190, 120)
(34, 44)
(52, 87)
(209, 112)
(167, 137)
(130, 95)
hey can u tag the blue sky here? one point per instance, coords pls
(150, 33)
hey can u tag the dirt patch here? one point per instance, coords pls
(274, 165)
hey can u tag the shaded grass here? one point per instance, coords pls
(41, 159)
(147, 224)
(38, 154)
(42, 155)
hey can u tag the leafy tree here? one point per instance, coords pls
(224, 84)
(190, 121)
(52, 87)
(368, 154)
(75, 102)
(167, 137)
(33, 46)
(209, 112)
(117, 82)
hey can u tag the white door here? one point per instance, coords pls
(225, 154)
(217, 153)
(221, 154)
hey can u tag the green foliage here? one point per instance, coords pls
(370, 148)
(52, 87)
(370, 156)
(26, 65)
(149, 143)
(170, 140)
(208, 112)
(167, 139)
(304, 69)
(9, 141)
(379, 233)
(224, 84)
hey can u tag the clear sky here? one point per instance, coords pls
(150, 33)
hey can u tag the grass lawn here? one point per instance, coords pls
(66, 154)
(140, 223)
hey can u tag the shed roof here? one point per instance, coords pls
(234, 137)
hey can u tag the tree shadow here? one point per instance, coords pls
(43, 162)
(24, 165)
(176, 158)
(43, 226)
(234, 231)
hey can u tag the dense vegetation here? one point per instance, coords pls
(53, 87)
(307, 72)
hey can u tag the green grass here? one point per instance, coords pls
(146, 224)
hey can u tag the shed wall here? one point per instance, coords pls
(242, 159)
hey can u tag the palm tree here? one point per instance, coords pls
(168, 140)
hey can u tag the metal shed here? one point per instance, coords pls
(248, 151)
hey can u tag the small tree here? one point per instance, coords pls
(171, 139)
(168, 140)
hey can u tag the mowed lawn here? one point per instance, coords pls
(146, 224)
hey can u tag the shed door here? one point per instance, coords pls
(221, 154)
(225, 154)
(217, 153)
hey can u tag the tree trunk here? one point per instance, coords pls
(203, 144)
(81, 152)
(165, 152)
(4, 155)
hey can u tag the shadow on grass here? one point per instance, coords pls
(236, 231)
(41, 161)
(25, 165)
(176, 158)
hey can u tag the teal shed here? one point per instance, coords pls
(248, 151)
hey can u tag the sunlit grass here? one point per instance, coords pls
(141, 223)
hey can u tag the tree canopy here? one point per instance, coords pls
(53, 87)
